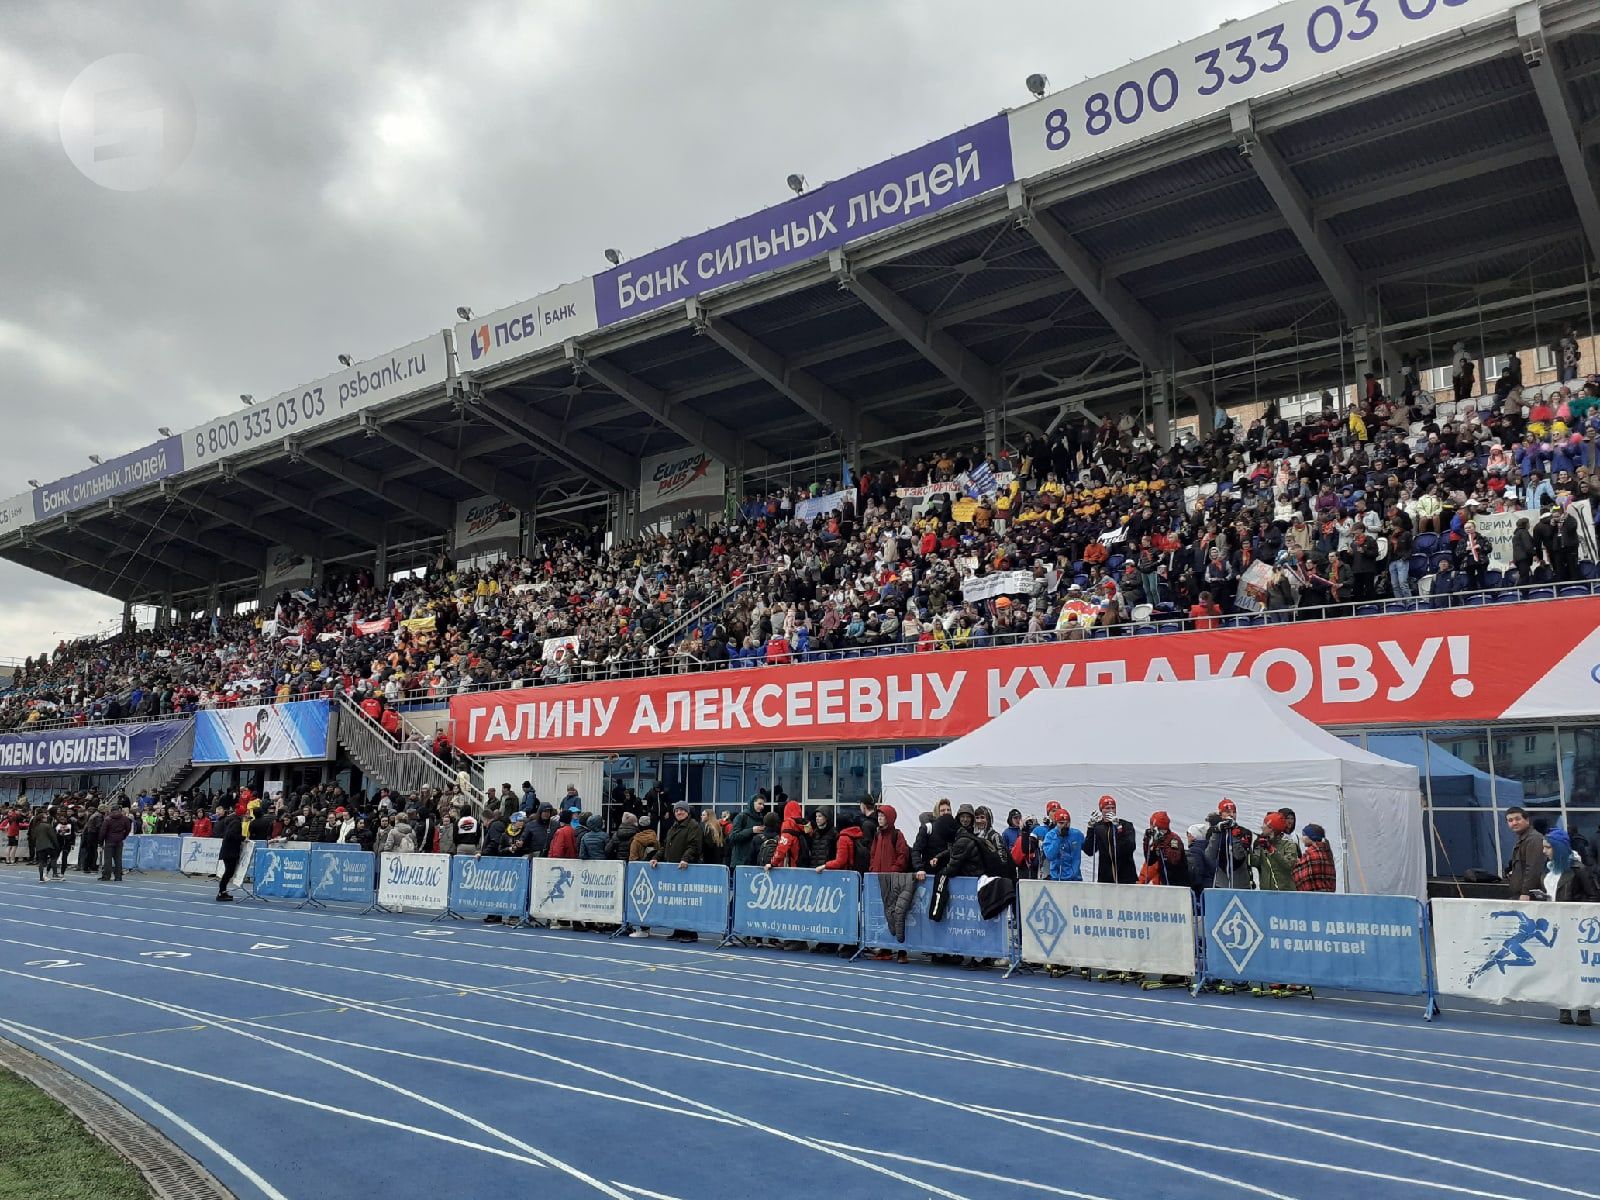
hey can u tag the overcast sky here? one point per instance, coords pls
(360, 169)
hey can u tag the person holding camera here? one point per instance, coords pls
(1112, 841)
(1228, 848)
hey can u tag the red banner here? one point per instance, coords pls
(1538, 659)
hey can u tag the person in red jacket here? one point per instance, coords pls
(889, 857)
(202, 826)
(790, 838)
(565, 842)
(391, 723)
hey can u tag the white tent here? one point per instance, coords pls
(1181, 748)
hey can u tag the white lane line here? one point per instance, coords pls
(155, 1106)
(373, 1009)
(51, 1039)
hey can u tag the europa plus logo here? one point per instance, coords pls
(127, 122)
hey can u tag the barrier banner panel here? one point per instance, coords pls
(1112, 926)
(130, 851)
(1500, 950)
(963, 930)
(199, 855)
(158, 853)
(283, 874)
(570, 889)
(247, 862)
(694, 899)
(797, 904)
(1356, 943)
(342, 876)
(488, 887)
(266, 733)
(414, 881)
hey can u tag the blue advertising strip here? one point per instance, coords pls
(488, 887)
(136, 469)
(797, 905)
(914, 184)
(693, 899)
(264, 733)
(1356, 943)
(157, 852)
(963, 930)
(130, 851)
(343, 876)
(283, 874)
(90, 748)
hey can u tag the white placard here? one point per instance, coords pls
(414, 881)
(571, 889)
(1112, 926)
(199, 855)
(1500, 950)
(1284, 47)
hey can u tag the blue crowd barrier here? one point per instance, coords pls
(489, 887)
(962, 931)
(1318, 939)
(797, 905)
(156, 852)
(130, 851)
(343, 877)
(281, 874)
(693, 899)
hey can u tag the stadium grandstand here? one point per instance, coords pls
(1263, 351)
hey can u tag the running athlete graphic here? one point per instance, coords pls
(1512, 950)
(558, 887)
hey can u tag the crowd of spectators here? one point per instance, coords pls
(1104, 532)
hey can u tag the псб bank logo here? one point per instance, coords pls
(480, 342)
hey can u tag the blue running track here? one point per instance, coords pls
(327, 1056)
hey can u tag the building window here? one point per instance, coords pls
(1544, 358)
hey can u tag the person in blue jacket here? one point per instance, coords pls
(1063, 848)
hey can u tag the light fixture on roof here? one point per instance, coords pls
(246, 399)
(797, 183)
(464, 312)
(163, 431)
(33, 483)
(614, 257)
(344, 360)
(95, 459)
(1038, 84)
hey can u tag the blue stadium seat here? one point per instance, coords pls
(1539, 593)
(1427, 543)
(1493, 579)
(1421, 564)
(1504, 596)
(1234, 622)
(1400, 606)
(1172, 627)
(1474, 600)
(1368, 610)
(1589, 570)
(1140, 630)
(1572, 589)
(1115, 563)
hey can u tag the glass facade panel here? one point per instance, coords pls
(787, 771)
(819, 775)
(731, 796)
(1464, 840)
(852, 786)
(699, 781)
(1580, 765)
(757, 773)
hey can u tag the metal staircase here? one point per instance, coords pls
(668, 636)
(164, 769)
(405, 768)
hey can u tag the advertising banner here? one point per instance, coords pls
(1498, 529)
(921, 181)
(130, 851)
(963, 930)
(570, 889)
(269, 733)
(341, 875)
(403, 372)
(485, 522)
(816, 506)
(680, 477)
(797, 905)
(284, 566)
(136, 469)
(511, 333)
(1500, 950)
(282, 874)
(693, 899)
(488, 887)
(1321, 939)
(414, 881)
(1110, 926)
(89, 748)
(1284, 47)
(16, 512)
(1441, 666)
(158, 852)
(199, 855)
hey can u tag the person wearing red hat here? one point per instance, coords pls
(1227, 850)
(1112, 840)
(1275, 854)
(792, 843)
(1166, 859)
